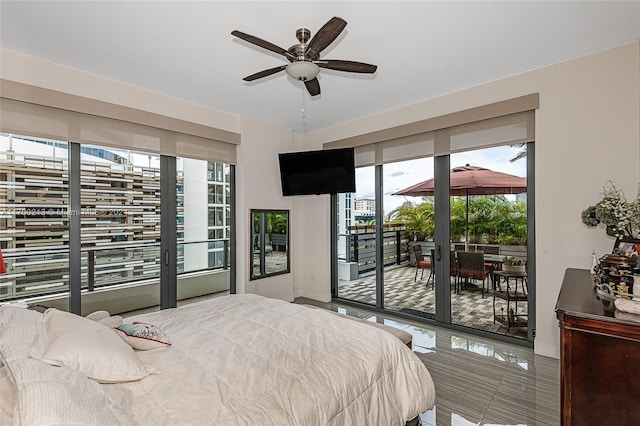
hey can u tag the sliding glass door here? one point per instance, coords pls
(203, 227)
(409, 225)
(488, 225)
(357, 240)
(406, 238)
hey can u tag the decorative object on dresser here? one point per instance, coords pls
(615, 272)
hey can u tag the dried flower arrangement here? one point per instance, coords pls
(621, 218)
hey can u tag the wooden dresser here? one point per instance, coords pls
(600, 357)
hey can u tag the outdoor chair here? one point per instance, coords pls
(422, 263)
(453, 271)
(471, 266)
(487, 263)
(432, 277)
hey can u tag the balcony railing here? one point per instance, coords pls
(359, 246)
(37, 273)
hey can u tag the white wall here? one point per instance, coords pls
(587, 132)
(258, 187)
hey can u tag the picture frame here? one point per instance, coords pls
(629, 247)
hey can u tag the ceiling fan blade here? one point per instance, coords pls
(348, 66)
(313, 86)
(262, 43)
(264, 73)
(325, 36)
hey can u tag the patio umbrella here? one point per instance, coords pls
(471, 180)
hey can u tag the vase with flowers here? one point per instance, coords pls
(620, 217)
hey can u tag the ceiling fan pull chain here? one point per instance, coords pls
(302, 111)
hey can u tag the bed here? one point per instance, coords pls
(233, 360)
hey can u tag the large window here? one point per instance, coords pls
(120, 222)
(410, 264)
(120, 225)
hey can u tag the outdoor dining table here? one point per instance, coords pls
(497, 259)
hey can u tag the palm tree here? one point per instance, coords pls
(418, 220)
(521, 154)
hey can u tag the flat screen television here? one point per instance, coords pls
(328, 171)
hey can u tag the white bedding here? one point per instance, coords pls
(240, 360)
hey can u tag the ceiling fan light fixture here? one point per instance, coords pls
(303, 70)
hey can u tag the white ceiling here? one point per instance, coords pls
(423, 49)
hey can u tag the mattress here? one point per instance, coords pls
(234, 360)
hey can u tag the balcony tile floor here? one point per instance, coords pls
(468, 307)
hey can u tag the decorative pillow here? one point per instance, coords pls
(87, 346)
(143, 336)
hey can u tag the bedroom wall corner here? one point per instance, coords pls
(258, 187)
(312, 268)
(312, 241)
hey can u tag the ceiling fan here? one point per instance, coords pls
(304, 57)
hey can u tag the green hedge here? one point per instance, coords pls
(492, 220)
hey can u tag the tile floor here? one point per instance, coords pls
(478, 381)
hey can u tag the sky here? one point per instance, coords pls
(397, 176)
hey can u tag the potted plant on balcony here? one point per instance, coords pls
(513, 264)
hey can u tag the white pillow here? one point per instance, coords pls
(8, 393)
(143, 336)
(103, 317)
(47, 395)
(18, 325)
(98, 315)
(87, 346)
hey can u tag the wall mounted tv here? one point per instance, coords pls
(328, 171)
